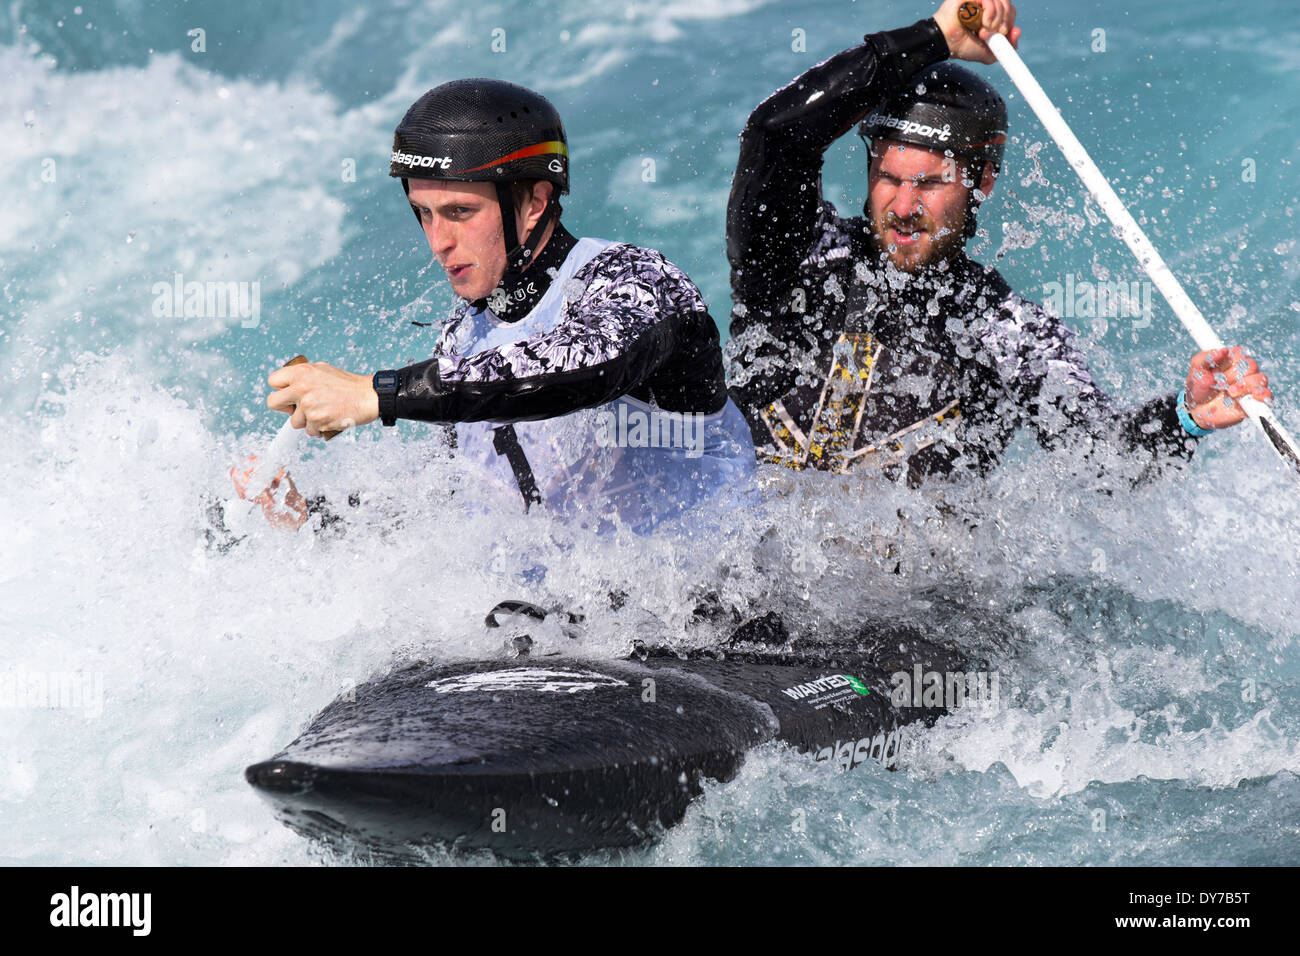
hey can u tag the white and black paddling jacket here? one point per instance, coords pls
(595, 385)
(837, 359)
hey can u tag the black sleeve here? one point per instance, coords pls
(775, 202)
(1154, 428)
(328, 519)
(1150, 431)
(628, 322)
(1043, 367)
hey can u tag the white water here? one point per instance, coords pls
(211, 661)
(1146, 639)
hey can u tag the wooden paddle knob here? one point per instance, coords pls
(299, 360)
(971, 16)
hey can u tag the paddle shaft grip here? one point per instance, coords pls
(971, 16)
(299, 360)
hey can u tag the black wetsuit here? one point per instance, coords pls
(836, 358)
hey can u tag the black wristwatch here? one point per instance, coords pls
(385, 384)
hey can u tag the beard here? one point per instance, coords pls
(938, 243)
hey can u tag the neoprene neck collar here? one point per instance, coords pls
(519, 292)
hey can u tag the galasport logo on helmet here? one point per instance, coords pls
(551, 147)
(910, 126)
(414, 161)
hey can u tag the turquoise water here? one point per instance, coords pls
(1146, 638)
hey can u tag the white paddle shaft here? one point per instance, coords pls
(278, 454)
(1132, 234)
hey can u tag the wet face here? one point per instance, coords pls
(917, 203)
(462, 222)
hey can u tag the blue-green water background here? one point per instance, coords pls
(229, 164)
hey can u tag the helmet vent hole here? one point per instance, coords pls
(514, 115)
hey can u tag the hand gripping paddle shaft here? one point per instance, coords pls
(279, 453)
(970, 16)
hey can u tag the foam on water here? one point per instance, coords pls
(166, 137)
(211, 660)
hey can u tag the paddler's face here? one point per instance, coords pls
(462, 222)
(917, 204)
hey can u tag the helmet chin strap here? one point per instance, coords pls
(519, 255)
(406, 188)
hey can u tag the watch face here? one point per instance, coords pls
(386, 380)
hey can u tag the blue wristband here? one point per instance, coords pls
(1185, 417)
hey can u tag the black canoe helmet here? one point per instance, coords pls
(945, 108)
(486, 131)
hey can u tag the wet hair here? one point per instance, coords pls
(521, 191)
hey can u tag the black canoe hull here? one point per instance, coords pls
(557, 755)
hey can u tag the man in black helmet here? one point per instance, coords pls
(875, 339)
(584, 375)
